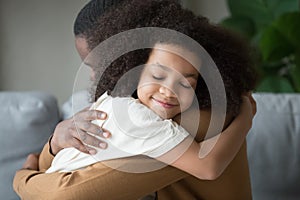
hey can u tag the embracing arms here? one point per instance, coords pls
(96, 181)
(219, 150)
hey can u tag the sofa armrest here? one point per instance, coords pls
(274, 147)
(27, 119)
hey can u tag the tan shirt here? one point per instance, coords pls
(102, 182)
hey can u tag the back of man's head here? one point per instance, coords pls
(90, 13)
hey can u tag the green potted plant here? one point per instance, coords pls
(273, 28)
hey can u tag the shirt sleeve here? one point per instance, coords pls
(94, 182)
(46, 157)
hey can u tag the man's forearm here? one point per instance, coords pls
(95, 182)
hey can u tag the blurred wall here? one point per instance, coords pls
(37, 45)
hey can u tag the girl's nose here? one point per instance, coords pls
(168, 92)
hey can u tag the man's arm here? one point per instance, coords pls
(46, 157)
(95, 182)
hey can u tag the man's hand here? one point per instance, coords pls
(253, 103)
(32, 162)
(248, 110)
(73, 132)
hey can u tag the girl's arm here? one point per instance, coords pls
(226, 146)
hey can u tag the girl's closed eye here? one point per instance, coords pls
(185, 85)
(158, 77)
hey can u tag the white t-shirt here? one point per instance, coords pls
(136, 130)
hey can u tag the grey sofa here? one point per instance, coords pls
(27, 119)
(274, 147)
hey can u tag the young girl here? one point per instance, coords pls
(143, 126)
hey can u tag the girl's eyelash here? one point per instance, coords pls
(162, 78)
(185, 86)
(157, 77)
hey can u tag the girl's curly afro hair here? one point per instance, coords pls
(230, 53)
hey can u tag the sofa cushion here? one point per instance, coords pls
(274, 147)
(27, 120)
(77, 102)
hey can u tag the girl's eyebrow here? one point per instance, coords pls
(163, 67)
(192, 75)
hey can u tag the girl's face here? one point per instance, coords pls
(168, 81)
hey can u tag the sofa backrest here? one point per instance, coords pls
(27, 119)
(274, 147)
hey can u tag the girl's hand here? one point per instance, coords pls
(73, 132)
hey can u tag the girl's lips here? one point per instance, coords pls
(163, 104)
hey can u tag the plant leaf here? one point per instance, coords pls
(274, 46)
(254, 9)
(275, 84)
(288, 25)
(279, 7)
(240, 24)
(263, 12)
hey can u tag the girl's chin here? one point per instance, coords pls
(163, 114)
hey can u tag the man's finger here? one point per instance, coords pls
(90, 115)
(93, 129)
(88, 139)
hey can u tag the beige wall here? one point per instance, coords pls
(37, 48)
(37, 45)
